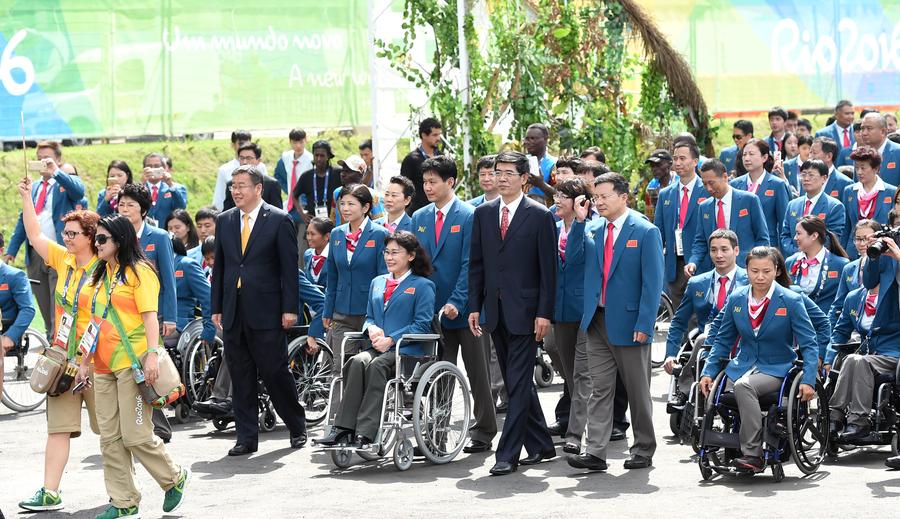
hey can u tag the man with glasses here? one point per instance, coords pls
(813, 175)
(249, 154)
(741, 133)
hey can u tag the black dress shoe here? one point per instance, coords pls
(893, 462)
(853, 432)
(223, 407)
(362, 442)
(242, 450)
(502, 407)
(617, 435)
(558, 429)
(586, 461)
(835, 427)
(336, 436)
(571, 448)
(636, 461)
(534, 459)
(502, 468)
(297, 442)
(477, 446)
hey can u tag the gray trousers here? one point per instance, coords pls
(44, 291)
(498, 388)
(856, 384)
(340, 325)
(302, 244)
(222, 387)
(475, 359)
(571, 346)
(365, 379)
(633, 365)
(688, 374)
(746, 392)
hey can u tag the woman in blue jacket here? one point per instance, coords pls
(192, 289)
(318, 235)
(354, 260)
(817, 267)
(768, 318)
(399, 303)
(118, 173)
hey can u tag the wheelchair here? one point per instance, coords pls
(188, 342)
(427, 395)
(543, 368)
(664, 316)
(17, 368)
(685, 413)
(885, 413)
(792, 429)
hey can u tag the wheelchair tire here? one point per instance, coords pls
(706, 473)
(895, 444)
(197, 382)
(267, 421)
(17, 393)
(543, 372)
(220, 423)
(807, 425)
(403, 454)
(675, 423)
(664, 315)
(442, 410)
(312, 375)
(777, 472)
(342, 458)
(182, 412)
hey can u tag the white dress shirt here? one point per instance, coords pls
(254, 214)
(365, 222)
(45, 218)
(690, 191)
(813, 201)
(444, 210)
(810, 280)
(512, 206)
(755, 302)
(325, 252)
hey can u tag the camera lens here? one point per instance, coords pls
(875, 250)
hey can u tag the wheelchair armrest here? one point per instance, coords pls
(354, 336)
(420, 337)
(798, 363)
(849, 347)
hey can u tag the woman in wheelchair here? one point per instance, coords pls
(16, 305)
(400, 302)
(192, 289)
(767, 318)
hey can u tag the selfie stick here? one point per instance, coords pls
(24, 150)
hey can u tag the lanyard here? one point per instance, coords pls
(713, 311)
(108, 294)
(324, 190)
(65, 293)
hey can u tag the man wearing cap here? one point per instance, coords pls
(676, 214)
(660, 162)
(352, 170)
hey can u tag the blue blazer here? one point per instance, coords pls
(193, 290)
(313, 297)
(16, 301)
(851, 279)
(827, 283)
(666, 220)
(635, 276)
(322, 282)
(771, 351)
(885, 332)
(835, 133)
(404, 225)
(349, 282)
(168, 199)
(773, 194)
(890, 163)
(697, 300)
(884, 202)
(408, 311)
(747, 222)
(728, 156)
(569, 282)
(449, 256)
(67, 193)
(478, 200)
(835, 185)
(103, 207)
(827, 208)
(158, 249)
(792, 173)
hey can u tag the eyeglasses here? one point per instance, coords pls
(393, 252)
(607, 196)
(737, 137)
(241, 187)
(559, 198)
(101, 239)
(861, 239)
(506, 174)
(70, 235)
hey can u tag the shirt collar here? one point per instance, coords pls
(620, 221)
(151, 185)
(447, 206)
(324, 251)
(690, 185)
(141, 230)
(727, 197)
(879, 186)
(255, 212)
(401, 278)
(512, 206)
(387, 219)
(814, 199)
(730, 274)
(768, 294)
(820, 257)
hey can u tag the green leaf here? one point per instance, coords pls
(561, 32)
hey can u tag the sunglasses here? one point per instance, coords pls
(101, 239)
(737, 137)
(72, 234)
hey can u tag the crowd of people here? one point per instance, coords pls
(776, 229)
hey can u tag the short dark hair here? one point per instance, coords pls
(541, 127)
(867, 154)
(695, 151)
(842, 103)
(443, 165)
(178, 246)
(804, 139)
(123, 166)
(568, 161)
(815, 164)
(805, 123)
(53, 145)
(428, 124)
(361, 193)
(322, 225)
(240, 136)
(894, 137)
(256, 176)
(297, 134)
(208, 245)
(773, 255)
(744, 125)
(684, 137)
(518, 159)
(828, 145)
(595, 168)
(619, 182)
(409, 189)
(486, 162)
(206, 213)
(365, 145)
(778, 111)
(140, 194)
(726, 234)
(323, 145)
(252, 146)
(421, 264)
(573, 187)
(792, 115)
(596, 152)
(154, 155)
(714, 165)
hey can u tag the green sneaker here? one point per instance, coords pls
(175, 495)
(114, 513)
(43, 500)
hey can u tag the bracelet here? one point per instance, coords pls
(152, 350)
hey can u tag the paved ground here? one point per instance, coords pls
(280, 482)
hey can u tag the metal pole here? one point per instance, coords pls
(464, 79)
(373, 88)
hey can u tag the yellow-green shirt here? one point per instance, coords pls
(61, 260)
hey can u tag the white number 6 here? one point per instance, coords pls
(8, 63)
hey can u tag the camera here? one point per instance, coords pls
(876, 249)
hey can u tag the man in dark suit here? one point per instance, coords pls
(254, 299)
(512, 276)
(249, 155)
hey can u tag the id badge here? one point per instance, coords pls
(679, 246)
(322, 211)
(62, 330)
(89, 339)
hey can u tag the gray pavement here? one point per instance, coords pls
(280, 482)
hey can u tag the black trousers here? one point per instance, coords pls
(525, 424)
(253, 354)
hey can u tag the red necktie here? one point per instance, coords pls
(757, 312)
(42, 197)
(389, 286)
(293, 182)
(154, 194)
(683, 209)
(720, 298)
(352, 239)
(807, 207)
(439, 224)
(504, 223)
(867, 205)
(720, 216)
(319, 261)
(871, 307)
(607, 256)
(846, 138)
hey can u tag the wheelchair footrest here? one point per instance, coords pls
(721, 439)
(874, 438)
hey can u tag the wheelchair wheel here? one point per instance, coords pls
(441, 412)
(895, 444)
(388, 433)
(19, 363)
(312, 374)
(663, 317)
(543, 372)
(267, 420)
(342, 458)
(182, 412)
(777, 472)
(716, 420)
(196, 373)
(675, 423)
(403, 454)
(220, 423)
(807, 424)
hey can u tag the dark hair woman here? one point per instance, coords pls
(118, 174)
(180, 223)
